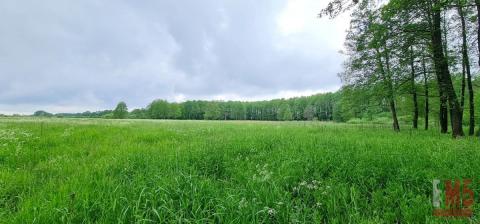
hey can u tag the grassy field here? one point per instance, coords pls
(129, 171)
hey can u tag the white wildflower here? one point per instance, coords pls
(242, 203)
(67, 132)
(271, 211)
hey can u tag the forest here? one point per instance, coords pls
(317, 107)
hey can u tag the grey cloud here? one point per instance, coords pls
(91, 54)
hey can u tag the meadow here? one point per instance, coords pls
(145, 171)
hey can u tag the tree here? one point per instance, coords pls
(158, 109)
(174, 111)
(41, 113)
(466, 68)
(442, 69)
(121, 111)
(309, 113)
(427, 93)
(335, 7)
(370, 53)
(285, 113)
(213, 111)
(138, 114)
(413, 88)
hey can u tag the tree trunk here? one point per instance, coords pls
(443, 111)
(387, 79)
(466, 66)
(446, 109)
(462, 91)
(443, 114)
(396, 126)
(414, 90)
(425, 83)
(441, 69)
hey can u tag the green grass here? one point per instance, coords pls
(108, 171)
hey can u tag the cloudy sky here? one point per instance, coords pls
(77, 55)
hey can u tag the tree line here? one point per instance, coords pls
(316, 107)
(349, 104)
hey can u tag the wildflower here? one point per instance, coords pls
(271, 211)
(242, 203)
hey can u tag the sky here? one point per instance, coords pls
(73, 56)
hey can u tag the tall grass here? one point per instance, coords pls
(111, 171)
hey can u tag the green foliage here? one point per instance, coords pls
(86, 114)
(125, 171)
(158, 109)
(309, 113)
(285, 113)
(41, 113)
(121, 111)
(213, 111)
(108, 116)
(138, 114)
(174, 111)
(316, 107)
